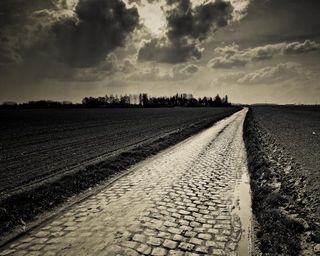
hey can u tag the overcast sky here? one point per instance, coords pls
(252, 50)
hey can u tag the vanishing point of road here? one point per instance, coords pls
(191, 199)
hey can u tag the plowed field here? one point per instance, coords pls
(36, 144)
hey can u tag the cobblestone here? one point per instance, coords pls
(154, 241)
(178, 202)
(158, 251)
(186, 246)
(144, 249)
(170, 244)
(196, 241)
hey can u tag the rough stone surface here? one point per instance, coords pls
(178, 202)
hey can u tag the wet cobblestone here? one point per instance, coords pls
(178, 202)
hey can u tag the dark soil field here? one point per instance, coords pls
(297, 129)
(37, 143)
(283, 144)
(43, 146)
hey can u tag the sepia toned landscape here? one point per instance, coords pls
(159, 127)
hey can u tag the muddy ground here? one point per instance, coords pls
(284, 181)
(23, 206)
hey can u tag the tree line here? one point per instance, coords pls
(143, 100)
(132, 100)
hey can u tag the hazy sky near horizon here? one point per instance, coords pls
(252, 50)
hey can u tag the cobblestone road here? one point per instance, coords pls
(179, 202)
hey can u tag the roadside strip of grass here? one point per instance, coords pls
(26, 206)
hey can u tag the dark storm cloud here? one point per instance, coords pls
(101, 26)
(97, 28)
(38, 40)
(13, 12)
(14, 17)
(186, 27)
(197, 23)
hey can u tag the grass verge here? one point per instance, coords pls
(278, 233)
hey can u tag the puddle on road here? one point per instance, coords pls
(242, 209)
